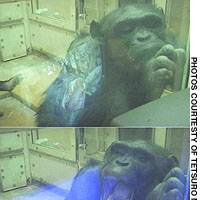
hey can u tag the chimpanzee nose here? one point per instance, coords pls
(143, 37)
(123, 161)
(122, 164)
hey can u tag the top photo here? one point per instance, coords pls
(94, 63)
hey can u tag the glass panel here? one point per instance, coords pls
(126, 162)
(55, 138)
(108, 63)
(128, 134)
(50, 8)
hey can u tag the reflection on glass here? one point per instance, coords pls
(54, 138)
(51, 8)
(124, 59)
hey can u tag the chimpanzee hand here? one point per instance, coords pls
(172, 187)
(162, 69)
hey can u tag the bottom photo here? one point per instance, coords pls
(94, 164)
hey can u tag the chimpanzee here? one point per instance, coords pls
(131, 171)
(126, 61)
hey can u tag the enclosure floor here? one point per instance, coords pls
(14, 194)
(36, 74)
(38, 192)
(15, 114)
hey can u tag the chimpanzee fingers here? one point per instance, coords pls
(168, 51)
(181, 57)
(178, 173)
(173, 183)
(173, 195)
(163, 74)
(162, 62)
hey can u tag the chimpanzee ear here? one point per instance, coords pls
(95, 29)
(173, 160)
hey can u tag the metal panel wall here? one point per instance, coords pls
(12, 161)
(58, 169)
(10, 11)
(10, 141)
(52, 27)
(62, 15)
(13, 38)
(60, 143)
(50, 39)
(12, 171)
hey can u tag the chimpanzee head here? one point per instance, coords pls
(137, 165)
(131, 34)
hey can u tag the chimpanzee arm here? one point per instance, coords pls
(172, 187)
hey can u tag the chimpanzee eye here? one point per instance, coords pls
(127, 29)
(123, 31)
(116, 154)
(123, 28)
(119, 152)
(142, 158)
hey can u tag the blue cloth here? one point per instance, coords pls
(87, 185)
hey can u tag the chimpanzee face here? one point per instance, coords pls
(133, 34)
(135, 162)
(127, 163)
